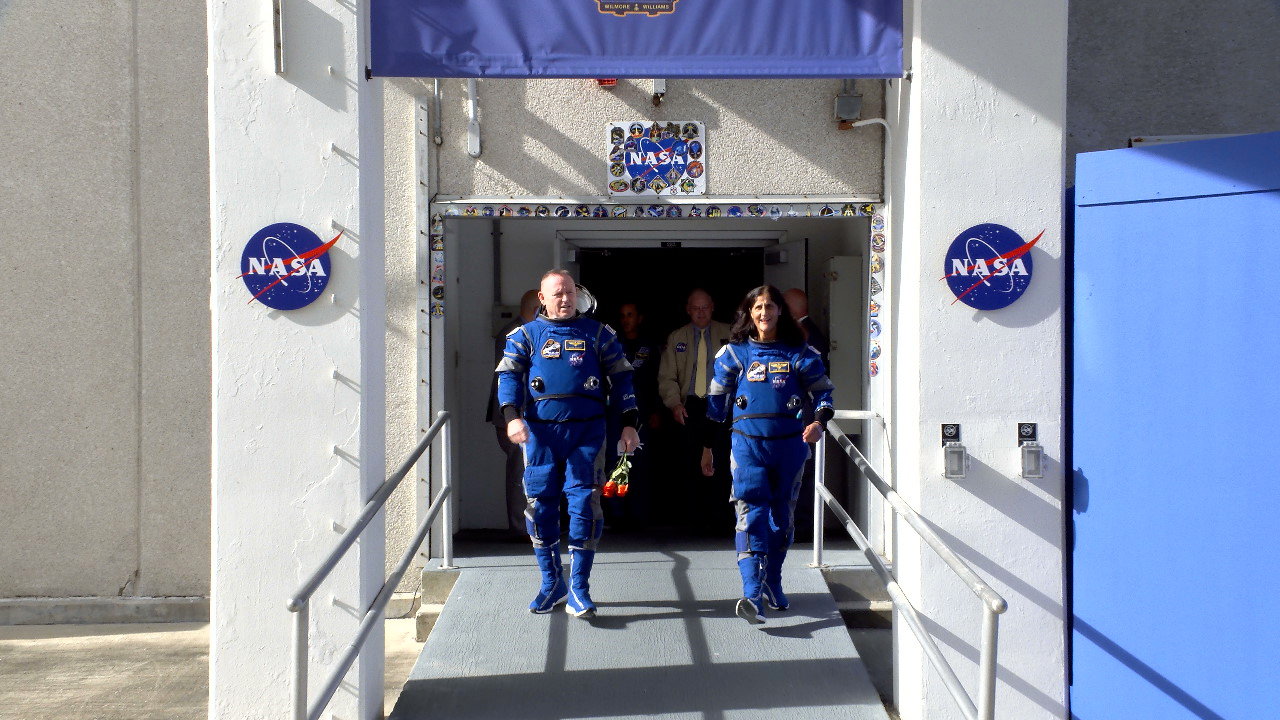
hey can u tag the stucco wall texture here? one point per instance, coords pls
(104, 241)
(1169, 68)
(548, 137)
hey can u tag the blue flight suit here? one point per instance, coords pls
(760, 387)
(558, 372)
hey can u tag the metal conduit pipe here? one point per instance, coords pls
(473, 120)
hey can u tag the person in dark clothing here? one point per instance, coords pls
(516, 500)
(798, 304)
(683, 377)
(642, 351)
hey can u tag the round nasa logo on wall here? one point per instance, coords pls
(285, 266)
(989, 266)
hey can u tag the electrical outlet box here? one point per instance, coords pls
(848, 107)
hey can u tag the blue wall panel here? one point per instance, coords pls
(1175, 409)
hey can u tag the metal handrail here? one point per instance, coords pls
(299, 603)
(992, 604)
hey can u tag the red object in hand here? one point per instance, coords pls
(610, 488)
(622, 489)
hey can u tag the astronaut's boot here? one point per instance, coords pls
(579, 604)
(773, 595)
(553, 590)
(751, 606)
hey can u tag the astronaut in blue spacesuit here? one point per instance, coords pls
(553, 380)
(760, 378)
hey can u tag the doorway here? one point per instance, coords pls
(660, 280)
(492, 261)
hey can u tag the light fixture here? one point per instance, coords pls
(1031, 451)
(659, 91)
(954, 455)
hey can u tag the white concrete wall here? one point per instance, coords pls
(981, 140)
(104, 363)
(304, 148)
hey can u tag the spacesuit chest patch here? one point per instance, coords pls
(575, 345)
(779, 367)
(755, 373)
(551, 349)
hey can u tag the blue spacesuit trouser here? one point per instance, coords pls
(766, 484)
(564, 458)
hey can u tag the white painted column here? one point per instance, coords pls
(981, 141)
(298, 397)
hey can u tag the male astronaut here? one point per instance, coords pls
(555, 371)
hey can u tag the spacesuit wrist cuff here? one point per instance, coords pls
(510, 412)
(823, 415)
(631, 419)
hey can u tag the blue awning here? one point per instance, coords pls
(637, 39)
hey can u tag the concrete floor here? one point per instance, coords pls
(133, 672)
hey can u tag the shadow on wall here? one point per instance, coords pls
(1143, 670)
(314, 66)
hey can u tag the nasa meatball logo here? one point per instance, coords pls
(286, 266)
(988, 266)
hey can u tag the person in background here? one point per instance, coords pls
(683, 378)
(760, 378)
(642, 351)
(798, 304)
(516, 500)
(552, 383)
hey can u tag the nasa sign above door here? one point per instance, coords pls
(988, 266)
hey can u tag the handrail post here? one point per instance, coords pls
(819, 507)
(446, 463)
(301, 640)
(987, 664)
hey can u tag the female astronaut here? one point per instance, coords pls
(763, 373)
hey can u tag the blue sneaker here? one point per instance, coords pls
(771, 588)
(554, 590)
(579, 602)
(774, 598)
(751, 607)
(749, 611)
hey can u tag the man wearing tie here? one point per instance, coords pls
(683, 376)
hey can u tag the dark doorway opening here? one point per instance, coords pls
(668, 491)
(660, 280)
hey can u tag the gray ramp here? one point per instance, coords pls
(665, 644)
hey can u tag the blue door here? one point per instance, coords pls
(1176, 432)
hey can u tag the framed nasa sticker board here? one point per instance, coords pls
(649, 159)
